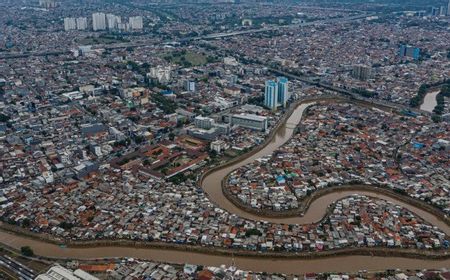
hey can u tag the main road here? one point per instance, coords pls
(187, 39)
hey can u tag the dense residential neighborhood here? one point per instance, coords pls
(216, 128)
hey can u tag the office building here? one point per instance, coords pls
(406, 51)
(136, 23)
(160, 74)
(98, 21)
(203, 122)
(271, 95)
(283, 91)
(82, 23)
(70, 24)
(249, 121)
(361, 72)
(207, 129)
(190, 86)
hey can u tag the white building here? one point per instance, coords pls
(219, 146)
(136, 23)
(70, 24)
(204, 122)
(98, 21)
(82, 23)
(230, 61)
(190, 86)
(48, 3)
(113, 21)
(58, 272)
(160, 73)
(249, 121)
(123, 26)
(247, 22)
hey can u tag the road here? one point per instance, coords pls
(276, 28)
(188, 39)
(346, 92)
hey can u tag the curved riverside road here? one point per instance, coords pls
(212, 186)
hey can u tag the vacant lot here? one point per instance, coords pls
(187, 59)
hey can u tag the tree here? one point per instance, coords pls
(171, 136)
(66, 225)
(4, 118)
(26, 222)
(253, 231)
(436, 118)
(27, 251)
(165, 170)
(139, 139)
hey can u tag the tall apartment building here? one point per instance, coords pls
(448, 8)
(435, 11)
(113, 21)
(361, 72)
(271, 95)
(98, 21)
(82, 23)
(136, 23)
(70, 24)
(276, 93)
(283, 91)
(48, 4)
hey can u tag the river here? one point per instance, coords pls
(290, 266)
(429, 101)
(212, 186)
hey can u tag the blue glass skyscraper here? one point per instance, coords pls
(409, 51)
(283, 91)
(276, 93)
